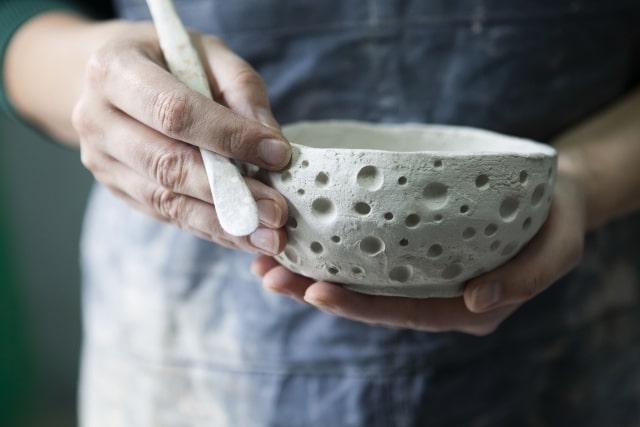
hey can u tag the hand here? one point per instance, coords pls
(488, 299)
(140, 129)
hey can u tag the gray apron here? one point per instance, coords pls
(179, 333)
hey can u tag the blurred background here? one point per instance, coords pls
(43, 189)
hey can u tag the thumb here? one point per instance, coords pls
(553, 252)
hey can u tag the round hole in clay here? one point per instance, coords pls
(538, 194)
(300, 192)
(490, 230)
(304, 164)
(453, 271)
(362, 208)
(285, 177)
(316, 247)
(435, 251)
(404, 242)
(291, 254)
(437, 164)
(402, 180)
(324, 210)
(359, 271)
(468, 233)
(388, 216)
(509, 209)
(370, 178)
(336, 239)
(510, 249)
(401, 273)
(437, 218)
(372, 245)
(495, 245)
(412, 221)
(435, 195)
(322, 180)
(292, 223)
(333, 270)
(527, 224)
(524, 177)
(482, 181)
(464, 209)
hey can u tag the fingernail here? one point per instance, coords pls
(274, 152)
(255, 271)
(487, 295)
(278, 291)
(316, 302)
(270, 213)
(319, 303)
(265, 240)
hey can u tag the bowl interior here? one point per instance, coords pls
(409, 138)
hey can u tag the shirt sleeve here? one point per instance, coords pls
(14, 13)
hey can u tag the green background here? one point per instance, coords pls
(43, 191)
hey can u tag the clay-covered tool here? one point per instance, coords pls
(235, 207)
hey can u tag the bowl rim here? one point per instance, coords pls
(438, 139)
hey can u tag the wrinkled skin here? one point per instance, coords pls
(140, 130)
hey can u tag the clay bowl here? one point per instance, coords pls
(409, 210)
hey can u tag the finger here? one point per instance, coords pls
(174, 165)
(431, 314)
(186, 212)
(146, 210)
(553, 252)
(159, 202)
(236, 84)
(136, 85)
(262, 265)
(280, 280)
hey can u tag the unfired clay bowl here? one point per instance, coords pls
(409, 210)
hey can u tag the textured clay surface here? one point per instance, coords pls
(418, 213)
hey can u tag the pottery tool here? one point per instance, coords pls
(235, 207)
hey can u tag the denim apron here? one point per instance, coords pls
(179, 333)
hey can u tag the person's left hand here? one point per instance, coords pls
(488, 299)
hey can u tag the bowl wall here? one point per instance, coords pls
(416, 221)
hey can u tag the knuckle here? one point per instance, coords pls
(233, 143)
(168, 204)
(98, 66)
(170, 112)
(415, 317)
(533, 284)
(83, 119)
(80, 120)
(215, 41)
(87, 160)
(169, 169)
(247, 77)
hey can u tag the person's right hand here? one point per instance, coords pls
(140, 129)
